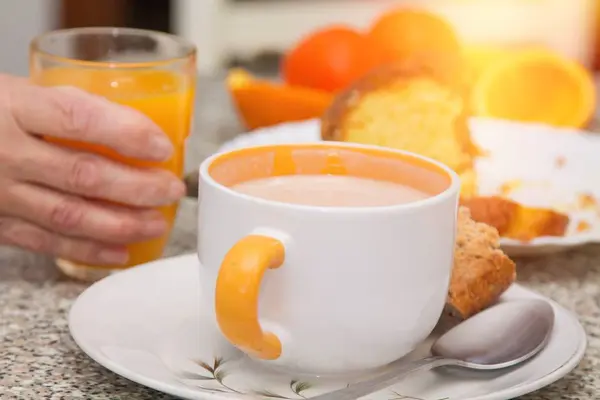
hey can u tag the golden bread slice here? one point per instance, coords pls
(418, 105)
(482, 272)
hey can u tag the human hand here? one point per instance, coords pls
(53, 199)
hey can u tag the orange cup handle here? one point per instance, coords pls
(237, 293)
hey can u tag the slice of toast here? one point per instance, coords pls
(482, 272)
(516, 221)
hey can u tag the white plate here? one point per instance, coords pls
(552, 167)
(149, 325)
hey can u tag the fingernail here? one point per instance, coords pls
(177, 190)
(112, 256)
(156, 227)
(161, 147)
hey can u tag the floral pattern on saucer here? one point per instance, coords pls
(216, 373)
(200, 358)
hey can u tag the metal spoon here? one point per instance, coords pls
(500, 337)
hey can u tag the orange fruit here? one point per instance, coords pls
(329, 59)
(400, 33)
(536, 86)
(263, 103)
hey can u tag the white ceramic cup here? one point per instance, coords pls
(325, 290)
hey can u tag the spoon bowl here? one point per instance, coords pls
(500, 337)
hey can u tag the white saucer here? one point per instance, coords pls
(149, 325)
(524, 154)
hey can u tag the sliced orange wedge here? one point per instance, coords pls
(480, 57)
(263, 103)
(536, 86)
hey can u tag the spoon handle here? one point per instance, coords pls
(394, 374)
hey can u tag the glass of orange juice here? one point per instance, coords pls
(150, 71)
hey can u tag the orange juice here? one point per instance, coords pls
(166, 97)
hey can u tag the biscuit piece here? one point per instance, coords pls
(482, 272)
(515, 221)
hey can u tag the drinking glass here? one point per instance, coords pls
(152, 72)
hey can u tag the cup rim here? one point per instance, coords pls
(453, 188)
(189, 51)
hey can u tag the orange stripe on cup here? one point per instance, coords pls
(316, 159)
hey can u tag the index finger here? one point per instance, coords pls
(70, 113)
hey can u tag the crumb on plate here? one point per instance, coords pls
(510, 186)
(586, 201)
(583, 226)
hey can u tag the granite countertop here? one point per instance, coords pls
(38, 359)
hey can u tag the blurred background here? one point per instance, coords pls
(21, 20)
(254, 32)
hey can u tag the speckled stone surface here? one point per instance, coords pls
(38, 359)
